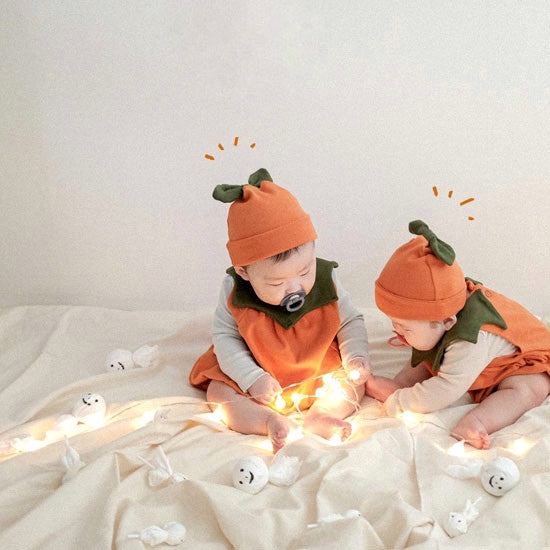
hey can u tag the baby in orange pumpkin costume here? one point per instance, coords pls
(464, 338)
(282, 321)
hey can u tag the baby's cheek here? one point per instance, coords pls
(270, 298)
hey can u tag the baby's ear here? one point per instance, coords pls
(449, 322)
(241, 271)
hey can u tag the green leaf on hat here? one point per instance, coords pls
(227, 193)
(258, 176)
(440, 248)
(230, 193)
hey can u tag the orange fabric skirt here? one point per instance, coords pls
(207, 369)
(529, 362)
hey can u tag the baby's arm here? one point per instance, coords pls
(232, 353)
(381, 387)
(352, 335)
(462, 364)
(409, 376)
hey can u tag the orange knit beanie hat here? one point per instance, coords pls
(264, 219)
(421, 281)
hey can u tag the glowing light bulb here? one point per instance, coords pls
(519, 446)
(95, 422)
(219, 415)
(339, 393)
(294, 434)
(457, 449)
(280, 403)
(52, 435)
(410, 419)
(321, 392)
(297, 397)
(354, 375)
(149, 416)
(25, 443)
(266, 445)
(146, 418)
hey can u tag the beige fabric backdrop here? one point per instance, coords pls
(393, 474)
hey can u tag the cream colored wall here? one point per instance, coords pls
(360, 108)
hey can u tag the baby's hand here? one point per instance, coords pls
(358, 370)
(265, 389)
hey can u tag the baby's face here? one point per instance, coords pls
(272, 281)
(421, 335)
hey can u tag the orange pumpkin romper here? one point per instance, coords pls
(523, 330)
(296, 357)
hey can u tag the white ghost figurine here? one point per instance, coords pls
(123, 359)
(90, 409)
(457, 523)
(173, 533)
(160, 469)
(250, 474)
(176, 533)
(499, 476)
(331, 518)
(284, 470)
(71, 460)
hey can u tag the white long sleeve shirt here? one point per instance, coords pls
(237, 362)
(462, 364)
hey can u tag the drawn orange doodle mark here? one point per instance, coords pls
(450, 194)
(221, 148)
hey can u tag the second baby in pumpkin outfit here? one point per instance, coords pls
(464, 338)
(283, 320)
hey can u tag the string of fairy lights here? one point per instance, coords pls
(338, 385)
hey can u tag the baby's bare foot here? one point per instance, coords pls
(327, 426)
(278, 427)
(472, 430)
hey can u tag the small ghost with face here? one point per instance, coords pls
(119, 359)
(90, 409)
(250, 474)
(499, 476)
(123, 359)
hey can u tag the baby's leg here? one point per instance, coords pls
(247, 416)
(326, 416)
(515, 396)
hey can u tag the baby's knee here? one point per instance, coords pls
(218, 391)
(531, 389)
